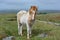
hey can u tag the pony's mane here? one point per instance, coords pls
(33, 8)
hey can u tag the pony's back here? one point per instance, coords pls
(22, 12)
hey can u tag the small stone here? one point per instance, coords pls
(42, 35)
(9, 38)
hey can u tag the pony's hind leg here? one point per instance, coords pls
(20, 29)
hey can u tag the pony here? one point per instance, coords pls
(27, 18)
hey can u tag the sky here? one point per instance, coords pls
(25, 4)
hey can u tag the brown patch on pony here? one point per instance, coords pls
(33, 8)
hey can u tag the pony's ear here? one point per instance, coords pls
(36, 8)
(30, 10)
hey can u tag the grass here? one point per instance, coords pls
(52, 17)
(10, 27)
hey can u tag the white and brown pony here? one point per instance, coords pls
(24, 17)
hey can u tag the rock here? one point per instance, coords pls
(42, 35)
(9, 38)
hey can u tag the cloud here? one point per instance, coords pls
(25, 4)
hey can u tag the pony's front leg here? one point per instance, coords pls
(20, 29)
(28, 31)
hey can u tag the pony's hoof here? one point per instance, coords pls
(20, 34)
(28, 38)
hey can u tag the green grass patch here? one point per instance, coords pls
(10, 27)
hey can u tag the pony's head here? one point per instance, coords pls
(32, 12)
